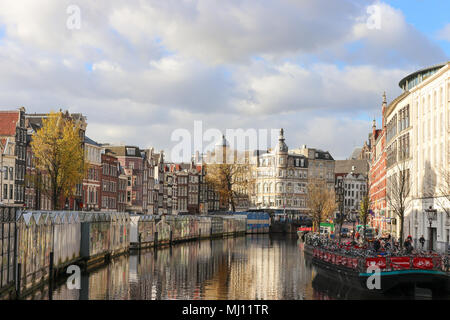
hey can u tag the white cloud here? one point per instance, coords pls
(141, 69)
(444, 33)
(290, 87)
(394, 43)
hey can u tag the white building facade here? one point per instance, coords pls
(281, 177)
(417, 141)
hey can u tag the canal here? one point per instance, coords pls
(251, 267)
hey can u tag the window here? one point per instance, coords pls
(5, 173)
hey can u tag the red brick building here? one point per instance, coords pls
(92, 180)
(109, 182)
(13, 161)
(377, 173)
(42, 201)
(132, 162)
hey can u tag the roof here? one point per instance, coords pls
(323, 155)
(90, 141)
(424, 70)
(345, 166)
(356, 152)
(124, 151)
(394, 102)
(8, 122)
(359, 176)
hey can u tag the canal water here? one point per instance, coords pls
(251, 267)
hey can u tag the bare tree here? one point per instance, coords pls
(439, 190)
(321, 201)
(398, 193)
(231, 181)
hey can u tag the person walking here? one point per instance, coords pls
(376, 245)
(408, 246)
(422, 241)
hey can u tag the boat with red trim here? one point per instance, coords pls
(340, 263)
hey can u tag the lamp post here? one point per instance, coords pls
(431, 215)
(339, 189)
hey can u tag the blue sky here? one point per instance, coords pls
(140, 70)
(428, 16)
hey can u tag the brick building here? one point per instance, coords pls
(13, 137)
(377, 174)
(109, 182)
(121, 189)
(130, 159)
(92, 180)
(42, 201)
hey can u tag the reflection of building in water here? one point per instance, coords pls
(109, 282)
(259, 276)
(176, 273)
(252, 267)
(264, 269)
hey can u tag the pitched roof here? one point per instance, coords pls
(8, 122)
(90, 141)
(345, 166)
(122, 151)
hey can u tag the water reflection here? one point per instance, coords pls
(250, 267)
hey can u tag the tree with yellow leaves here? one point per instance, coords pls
(58, 152)
(321, 202)
(364, 212)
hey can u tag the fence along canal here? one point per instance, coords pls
(38, 246)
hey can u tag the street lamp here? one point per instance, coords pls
(339, 189)
(431, 215)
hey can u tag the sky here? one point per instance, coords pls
(141, 70)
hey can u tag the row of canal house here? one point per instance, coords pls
(118, 177)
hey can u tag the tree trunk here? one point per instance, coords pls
(54, 197)
(401, 230)
(364, 228)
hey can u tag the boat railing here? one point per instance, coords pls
(384, 263)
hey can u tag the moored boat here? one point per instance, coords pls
(394, 271)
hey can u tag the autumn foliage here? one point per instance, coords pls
(58, 153)
(321, 202)
(229, 180)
